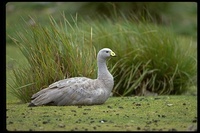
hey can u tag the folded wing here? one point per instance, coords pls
(72, 91)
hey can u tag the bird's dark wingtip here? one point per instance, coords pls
(31, 105)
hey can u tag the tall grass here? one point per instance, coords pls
(53, 53)
(149, 57)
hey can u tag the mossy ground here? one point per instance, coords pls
(166, 113)
(161, 113)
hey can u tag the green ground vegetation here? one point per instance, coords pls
(150, 58)
(162, 113)
(154, 52)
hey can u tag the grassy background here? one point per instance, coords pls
(148, 55)
(179, 15)
(126, 113)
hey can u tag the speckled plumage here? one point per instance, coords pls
(79, 90)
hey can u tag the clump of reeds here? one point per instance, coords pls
(149, 58)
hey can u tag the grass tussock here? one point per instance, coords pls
(52, 54)
(149, 58)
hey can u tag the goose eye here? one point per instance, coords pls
(107, 51)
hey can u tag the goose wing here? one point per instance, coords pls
(72, 91)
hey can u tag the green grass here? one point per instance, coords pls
(136, 42)
(149, 57)
(177, 14)
(124, 36)
(162, 113)
(14, 59)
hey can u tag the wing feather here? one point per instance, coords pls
(72, 91)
